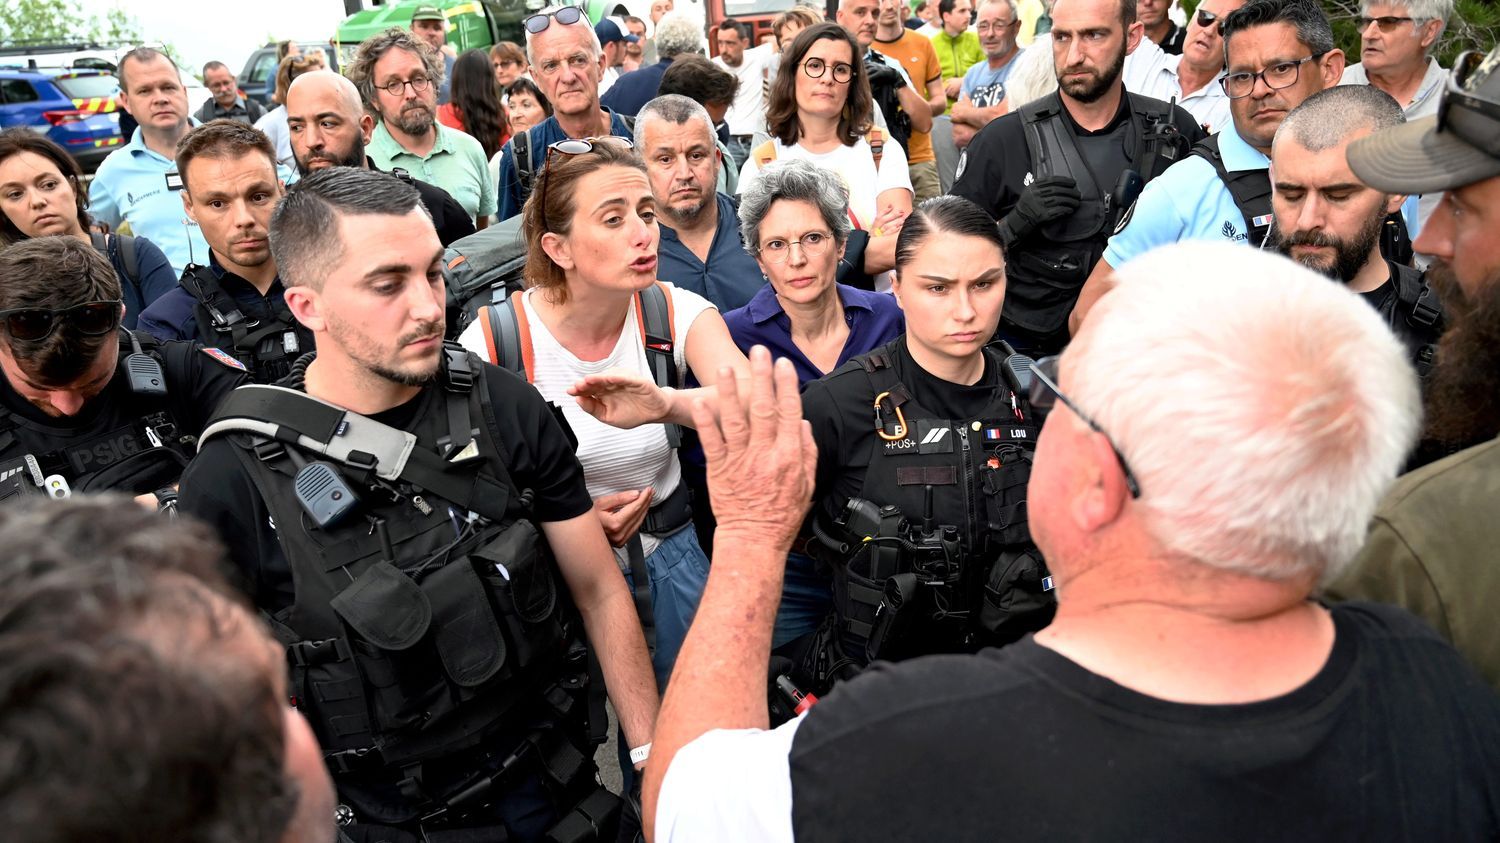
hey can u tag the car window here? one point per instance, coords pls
(16, 91)
(87, 87)
(90, 63)
(261, 70)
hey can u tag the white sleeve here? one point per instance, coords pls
(893, 173)
(687, 306)
(729, 785)
(473, 339)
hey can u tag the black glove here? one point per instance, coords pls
(1047, 199)
(884, 76)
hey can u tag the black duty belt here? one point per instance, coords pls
(670, 515)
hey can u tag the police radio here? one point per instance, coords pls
(323, 493)
(142, 370)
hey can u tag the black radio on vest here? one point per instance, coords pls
(267, 344)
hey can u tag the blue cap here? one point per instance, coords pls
(610, 32)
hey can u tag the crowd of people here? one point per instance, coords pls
(917, 425)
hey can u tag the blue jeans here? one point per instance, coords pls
(678, 569)
(806, 598)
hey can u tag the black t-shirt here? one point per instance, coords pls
(839, 407)
(449, 218)
(110, 426)
(1396, 738)
(538, 455)
(1175, 38)
(997, 162)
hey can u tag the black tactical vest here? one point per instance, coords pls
(267, 345)
(1415, 315)
(418, 623)
(1048, 270)
(935, 555)
(148, 453)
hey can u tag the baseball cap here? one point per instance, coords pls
(428, 13)
(611, 30)
(1457, 146)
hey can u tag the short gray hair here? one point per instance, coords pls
(677, 34)
(674, 109)
(304, 229)
(1015, 13)
(794, 181)
(595, 49)
(1420, 11)
(1327, 118)
(361, 70)
(1282, 407)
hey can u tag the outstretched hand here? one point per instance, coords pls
(760, 454)
(621, 398)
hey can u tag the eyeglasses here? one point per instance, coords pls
(1469, 73)
(1277, 76)
(813, 243)
(567, 16)
(815, 68)
(1387, 23)
(995, 26)
(1206, 19)
(395, 86)
(1045, 395)
(91, 319)
(572, 146)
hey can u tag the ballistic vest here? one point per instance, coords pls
(266, 346)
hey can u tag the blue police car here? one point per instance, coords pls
(78, 109)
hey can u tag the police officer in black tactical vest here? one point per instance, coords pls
(235, 302)
(924, 450)
(1059, 173)
(85, 405)
(416, 527)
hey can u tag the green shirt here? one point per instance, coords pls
(1432, 551)
(456, 164)
(957, 55)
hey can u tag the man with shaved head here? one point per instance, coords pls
(330, 127)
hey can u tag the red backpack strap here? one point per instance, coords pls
(507, 336)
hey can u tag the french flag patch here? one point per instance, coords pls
(991, 434)
(1263, 219)
(222, 357)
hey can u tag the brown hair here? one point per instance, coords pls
(559, 183)
(293, 66)
(20, 139)
(222, 138)
(798, 14)
(508, 51)
(782, 120)
(56, 272)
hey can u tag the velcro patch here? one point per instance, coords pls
(223, 357)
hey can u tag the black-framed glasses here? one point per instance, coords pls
(1280, 75)
(572, 146)
(1207, 19)
(816, 67)
(1044, 396)
(1470, 72)
(813, 243)
(1387, 23)
(91, 319)
(567, 16)
(396, 86)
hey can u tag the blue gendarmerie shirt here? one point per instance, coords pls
(139, 185)
(729, 279)
(874, 319)
(174, 315)
(540, 136)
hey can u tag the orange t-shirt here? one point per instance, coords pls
(920, 61)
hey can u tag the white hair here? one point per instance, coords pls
(1033, 75)
(676, 35)
(1015, 13)
(595, 50)
(1263, 409)
(1420, 12)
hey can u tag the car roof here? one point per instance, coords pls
(15, 72)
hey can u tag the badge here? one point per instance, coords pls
(174, 181)
(224, 358)
(934, 437)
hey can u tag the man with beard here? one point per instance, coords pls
(235, 304)
(1432, 544)
(1051, 172)
(398, 76)
(1277, 54)
(329, 127)
(701, 249)
(433, 632)
(1329, 222)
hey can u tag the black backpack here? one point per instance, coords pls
(483, 269)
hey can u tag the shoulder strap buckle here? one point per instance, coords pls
(458, 373)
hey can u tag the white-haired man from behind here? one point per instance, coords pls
(1210, 456)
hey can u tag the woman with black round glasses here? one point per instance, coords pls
(592, 332)
(820, 111)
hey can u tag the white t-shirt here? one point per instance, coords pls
(730, 785)
(747, 114)
(614, 460)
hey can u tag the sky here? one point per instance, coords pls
(227, 31)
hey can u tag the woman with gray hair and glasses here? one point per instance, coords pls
(795, 221)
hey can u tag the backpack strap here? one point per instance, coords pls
(764, 154)
(128, 256)
(1416, 301)
(507, 336)
(1250, 189)
(521, 156)
(658, 334)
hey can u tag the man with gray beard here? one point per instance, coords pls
(701, 249)
(399, 75)
(1329, 221)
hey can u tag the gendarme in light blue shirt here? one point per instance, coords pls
(456, 164)
(132, 186)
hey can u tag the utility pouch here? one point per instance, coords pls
(1018, 596)
(520, 579)
(465, 631)
(1004, 488)
(886, 637)
(388, 615)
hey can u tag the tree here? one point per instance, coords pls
(1474, 25)
(25, 22)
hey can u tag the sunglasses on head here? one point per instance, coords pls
(91, 319)
(567, 16)
(572, 146)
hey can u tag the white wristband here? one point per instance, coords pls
(640, 754)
